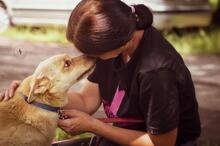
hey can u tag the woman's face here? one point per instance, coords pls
(128, 48)
(114, 53)
(111, 54)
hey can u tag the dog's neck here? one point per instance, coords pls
(47, 98)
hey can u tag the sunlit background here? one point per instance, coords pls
(31, 31)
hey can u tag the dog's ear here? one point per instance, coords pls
(38, 87)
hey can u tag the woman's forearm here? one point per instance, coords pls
(122, 136)
(86, 100)
(85, 103)
(75, 101)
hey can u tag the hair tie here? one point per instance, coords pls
(134, 12)
(132, 9)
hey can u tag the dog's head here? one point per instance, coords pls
(54, 76)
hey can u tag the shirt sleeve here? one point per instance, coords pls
(159, 101)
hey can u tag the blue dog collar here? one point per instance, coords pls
(43, 106)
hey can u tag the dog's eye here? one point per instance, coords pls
(67, 63)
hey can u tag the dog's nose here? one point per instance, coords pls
(91, 57)
(84, 59)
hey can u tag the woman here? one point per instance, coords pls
(138, 76)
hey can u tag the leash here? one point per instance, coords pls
(117, 120)
(120, 120)
(105, 120)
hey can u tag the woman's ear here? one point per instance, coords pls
(38, 87)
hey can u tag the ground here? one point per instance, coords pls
(18, 59)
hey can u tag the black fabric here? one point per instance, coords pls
(191, 143)
(156, 86)
(159, 94)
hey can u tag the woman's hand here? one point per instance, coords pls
(10, 91)
(76, 122)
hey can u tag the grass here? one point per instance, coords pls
(214, 4)
(202, 41)
(186, 41)
(61, 135)
(55, 34)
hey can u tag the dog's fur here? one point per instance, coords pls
(22, 124)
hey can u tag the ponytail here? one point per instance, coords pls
(143, 16)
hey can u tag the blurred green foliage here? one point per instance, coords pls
(54, 34)
(195, 40)
(186, 41)
(61, 135)
(214, 4)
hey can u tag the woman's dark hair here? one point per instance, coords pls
(99, 26)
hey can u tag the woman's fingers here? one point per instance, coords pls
(76, 122)
(2, 94)
(10, 91)
(6, 95)
(65, 123)
(72, 113)
(14, 85)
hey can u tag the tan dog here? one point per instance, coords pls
(24, 124)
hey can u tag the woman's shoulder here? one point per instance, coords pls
(158, 53)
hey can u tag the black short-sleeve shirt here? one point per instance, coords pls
(155, 86)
